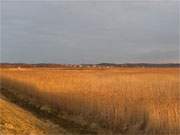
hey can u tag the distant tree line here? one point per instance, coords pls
(24, 65)
(141, 65)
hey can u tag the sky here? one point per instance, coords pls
(76, 32)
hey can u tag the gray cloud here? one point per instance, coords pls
(90, 32)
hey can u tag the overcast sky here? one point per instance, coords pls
(90, 32)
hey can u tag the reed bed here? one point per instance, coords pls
(124, 100)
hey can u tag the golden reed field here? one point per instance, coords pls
(123, 100)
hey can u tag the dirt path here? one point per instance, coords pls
(16, 121)
(18, 117)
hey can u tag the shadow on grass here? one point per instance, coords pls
(33, 100)
(23, 101)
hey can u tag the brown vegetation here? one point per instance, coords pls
(125, 100)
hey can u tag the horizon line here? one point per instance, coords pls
(89, 63)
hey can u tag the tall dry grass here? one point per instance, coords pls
(135, 100)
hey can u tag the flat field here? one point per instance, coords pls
(123, 100)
